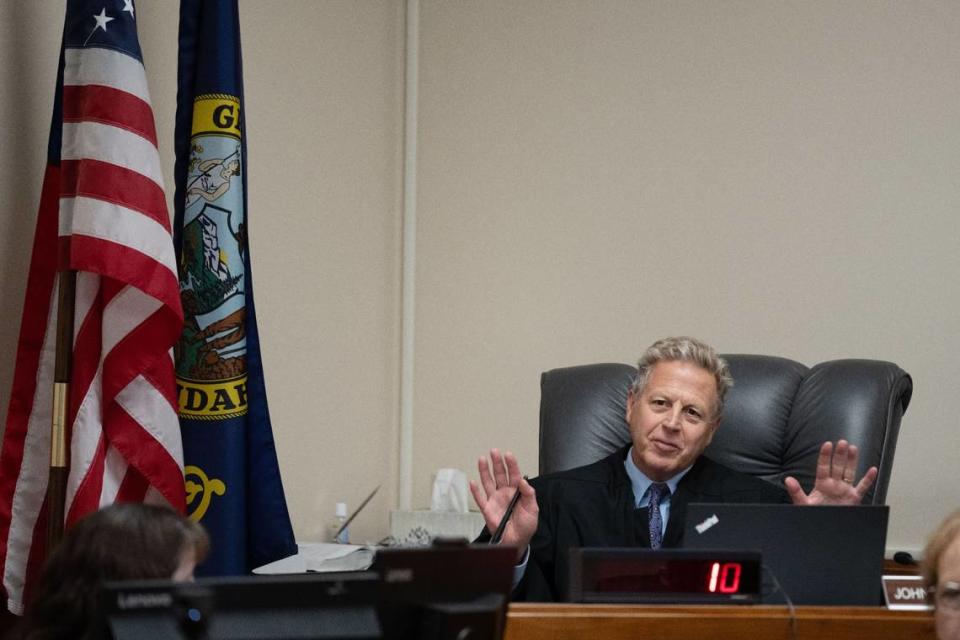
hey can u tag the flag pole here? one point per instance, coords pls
(57, 484)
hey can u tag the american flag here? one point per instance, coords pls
(102, 213)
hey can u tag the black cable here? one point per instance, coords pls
(786, 596)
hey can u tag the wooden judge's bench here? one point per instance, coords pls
(529, 621)
(697, 622)
(542, 621)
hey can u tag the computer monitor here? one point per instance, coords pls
(446, 592)
(437, 593)
(319, 606)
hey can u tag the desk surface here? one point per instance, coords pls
(733, 622)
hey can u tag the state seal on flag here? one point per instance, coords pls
(211, 354)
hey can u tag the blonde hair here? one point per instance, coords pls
(942, 537)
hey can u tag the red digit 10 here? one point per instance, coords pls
(725, 577)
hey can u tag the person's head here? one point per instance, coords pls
(941, 573)
(674, 405)
(128, 541)
(230, 169)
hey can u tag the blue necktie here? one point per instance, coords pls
(657, 491)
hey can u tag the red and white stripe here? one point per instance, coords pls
(103, 213)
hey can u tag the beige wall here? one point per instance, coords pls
(773, 177)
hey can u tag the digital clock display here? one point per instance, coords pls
(664, 576)
(725, 577)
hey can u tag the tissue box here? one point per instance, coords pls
(414, 526)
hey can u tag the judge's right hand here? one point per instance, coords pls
(500, 477)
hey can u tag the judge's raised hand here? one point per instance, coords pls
(836, 473)
(500, 478)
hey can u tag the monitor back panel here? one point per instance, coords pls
(819, 555)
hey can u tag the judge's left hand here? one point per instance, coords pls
(836, 473)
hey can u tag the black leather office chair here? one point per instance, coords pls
(775, 418)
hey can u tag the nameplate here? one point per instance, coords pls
(906, 593)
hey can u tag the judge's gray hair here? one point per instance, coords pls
(685, 349)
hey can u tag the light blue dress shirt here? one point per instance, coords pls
(641, 488)
(641, 496)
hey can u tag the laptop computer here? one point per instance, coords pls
(822, 555)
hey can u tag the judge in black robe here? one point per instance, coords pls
(594, 506)
(672, 410)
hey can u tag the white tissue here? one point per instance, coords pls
(449, 491)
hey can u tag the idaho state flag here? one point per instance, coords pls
(230, 464)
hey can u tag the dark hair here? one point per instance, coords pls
(129, 541)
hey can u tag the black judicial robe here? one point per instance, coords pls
(593, 506)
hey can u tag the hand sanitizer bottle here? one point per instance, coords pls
(339, 518)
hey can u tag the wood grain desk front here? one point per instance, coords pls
(529, 621)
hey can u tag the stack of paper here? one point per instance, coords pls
(337, 557)
(322, 556)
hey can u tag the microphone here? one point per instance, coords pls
(904, 557)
